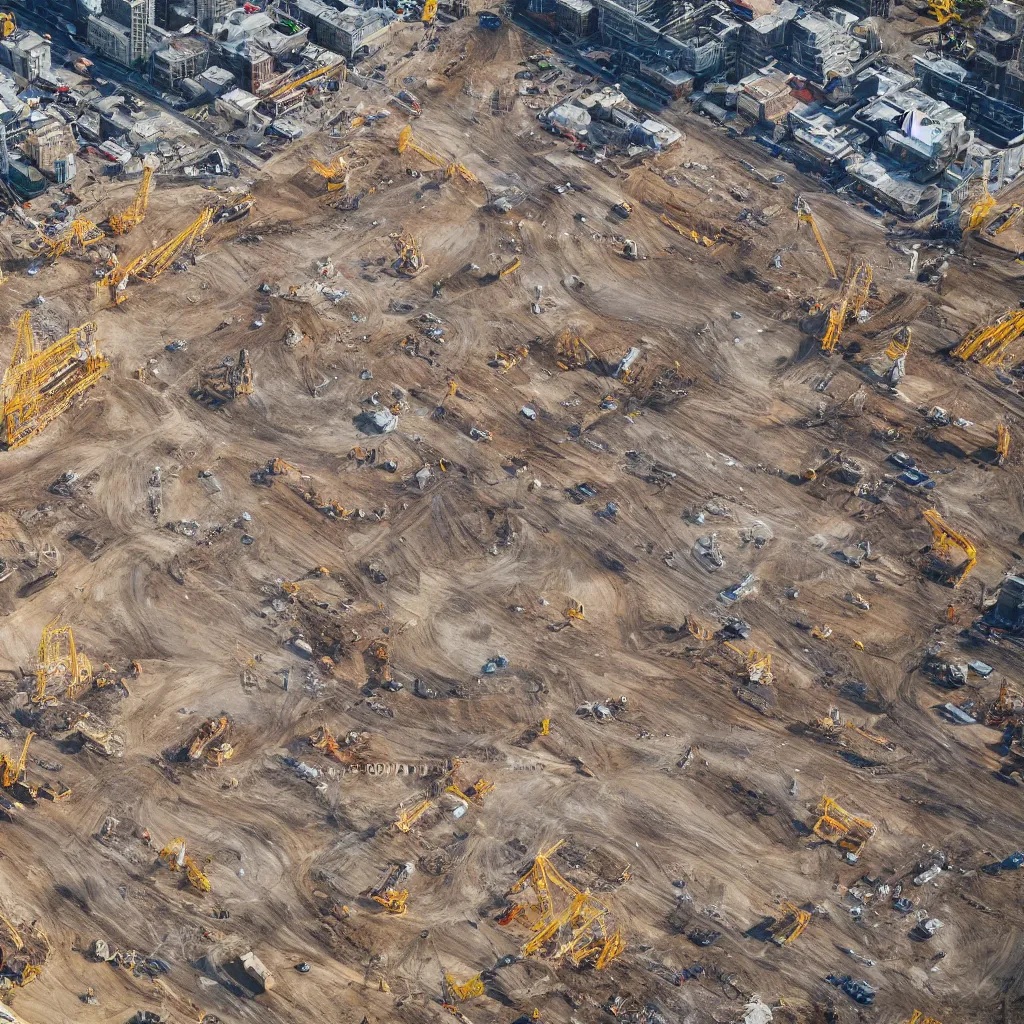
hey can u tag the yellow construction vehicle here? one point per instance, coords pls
(429, 11)
(59, 657)
(510, 268)
(545, 727)
(572, 351)
(196, 749)
(899, 344)
(452, 992)
(410, 260)
(132, 215)
(8, 26)
(471, 794)
(699, 631)
(804, 216)
(918, 1017)
(988, 344)
(152, 264)
(458, 169)
(695, 236)
(790, 925)
(842, 829)
(41, 382)
(831, 726)
(405, 821)
(944, 539)
(334, 173)
(943, 11)
(980, 210)
(513, 357)
(21, 962)
(387, 893)
(175, 857)
(80, 234)
(226, 382)
(12, 771)
(574, 611)
(1002, 443)
(1005, 220)
(405, 142)
(852, 296)
(276, 92)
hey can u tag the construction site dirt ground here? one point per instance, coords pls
(479, 559)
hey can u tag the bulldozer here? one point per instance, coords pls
(387, 893)
(175, 857)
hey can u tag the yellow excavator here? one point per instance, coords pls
(790, 925)
(572, 351)
(944, 540)
(333, 173)
(387, 893)
(11, 771)
(175, 857)
(842, 829)
(8, 26)
(452, 992)
(405, 821)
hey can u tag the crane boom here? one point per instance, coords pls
(944, 537)
(851, 298)
(988, 344)
(804, 216)
(131, 216)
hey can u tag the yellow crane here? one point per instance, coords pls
(842, 829)
(153, 263)
(175, 857)
(989, 343)
(405, 821)
(980, 210)
(852, 296)
(694, 236)
(405, 141)
(81, 231)
(11, 771)
(790, 925)
(1002, 444)
(59, 657)
(132, 215)
(333, 173)
(452, 992)
(944, 539)
(8, 26)
(943, 11)
(41, 382)
(1004, 220)
(429, 11)
(804, 216)
(510, 268)
(572, 351)
(279, 91)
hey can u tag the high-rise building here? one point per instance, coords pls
(134, 15)
(209, 11)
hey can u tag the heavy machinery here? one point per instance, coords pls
(8, 26)
(152, 264)
(410, 260)
(387, 893)
(429, 11)
(452, 992)
(1008, 706)
(458, 169)
(572, 351)
(276, 93)
(804, 216)
(323, 739)
(132, 215)
(896, 350)
(981, 209)
(198, 746)
(574, 611)
(790, 925)
(471, 794)
(1004, 220)
(405, 141)
(175, 857)
(407, 818)
(59, 658)
(510, 268)
(695, 236)
(831, 726)
(41, 382)
(832, 459)
(96, 737)
(943, 11)
(20, 962)
(80, 234)
(226, 382)
(699, 631)
(944, 540)
(988, 344)
(852, 296)
(12, 771)
(842, 829)
(333, 173)
(505, 360)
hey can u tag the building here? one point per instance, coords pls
(208, 12)
(576, 18)
(135, 16)
(354, 33)
(47, 144)
(110, 38)
(182, 58)
(27, 54)
(765, 98)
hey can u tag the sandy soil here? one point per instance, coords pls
(480, 562)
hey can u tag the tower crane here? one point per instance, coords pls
(333, 173)
(59, 657)
(152, 264)
(852, 296)
(804, 216)
(944, 539)
(989, 343)
(40, 383)
(132, 215)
